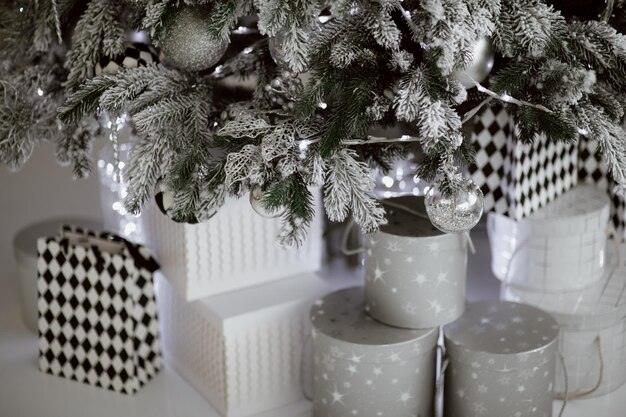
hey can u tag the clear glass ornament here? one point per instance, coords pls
(256, 201)
(455, 212)
(483, 56)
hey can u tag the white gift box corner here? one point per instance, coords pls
(242, 350)
(234, 249)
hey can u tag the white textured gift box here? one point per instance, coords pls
(243, 350)
(236, 248)
(560, 247)
(592, 338)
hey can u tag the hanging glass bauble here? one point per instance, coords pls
(256, 201)
(455, 211)
(185, 41)
(478, 69)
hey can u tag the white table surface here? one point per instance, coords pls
(26, 392)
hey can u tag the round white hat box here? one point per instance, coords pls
(592, 338)
(560, 247)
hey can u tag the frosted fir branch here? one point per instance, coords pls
(383, 28)
(155, 10)
(85, 100)
(611, 140)
(526, 27)
(143, 170)
(349, 186)
(98, 32)
(74, 146)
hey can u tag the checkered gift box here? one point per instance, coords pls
(97, 310)
(592, 170)
(517, 179)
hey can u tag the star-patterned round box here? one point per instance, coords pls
(560, 247)
(414, 273)
(502, 360)
(365, 368)
(592, 339)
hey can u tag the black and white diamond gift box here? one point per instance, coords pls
(593, 170)
(97, 310)
(517, 179)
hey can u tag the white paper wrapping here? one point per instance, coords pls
(243, 350)
(560, 247)
(236, 248)
(364, 368)
(414, 274)
(592, 338)
(502, 357)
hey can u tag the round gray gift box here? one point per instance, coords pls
(501, 361)
(414, 273)
(560, 247)
(364, 368)
(591, 339)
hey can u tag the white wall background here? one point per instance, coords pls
(41, 190)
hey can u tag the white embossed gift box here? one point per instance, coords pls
(234, 249)
(414, 273)
(502, 358)
(593, 332)
(560, 247)
(241, 350)
(365, 368)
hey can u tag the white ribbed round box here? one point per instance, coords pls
(560, 247)
(414, 273)
(592, 338)
(364, 368)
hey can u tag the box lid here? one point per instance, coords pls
(601, 305)
(340, 321)
(572, 211)
(502, 336)
(243, 308)
(407, 232)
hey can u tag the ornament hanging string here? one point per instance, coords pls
(348, 230)
(57, 21)
(576, 395)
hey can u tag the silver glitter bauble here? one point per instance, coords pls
(478, 70)
(256, 201)
(455, 212)
(185, 40)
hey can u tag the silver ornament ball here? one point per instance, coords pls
(185, 40)
(457, 211)
(256, 201)
(483, 56)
